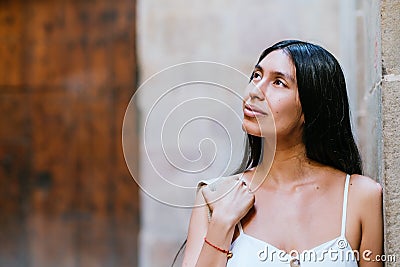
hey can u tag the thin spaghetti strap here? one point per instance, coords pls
(240, 227)
(344, 212)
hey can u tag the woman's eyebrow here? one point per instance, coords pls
(284, 75)
(258, 67)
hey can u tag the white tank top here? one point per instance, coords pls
(249, 251)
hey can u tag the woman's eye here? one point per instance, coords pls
(279, 83)
(256, 75)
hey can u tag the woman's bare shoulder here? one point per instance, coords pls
(365, 186)
(366, 192)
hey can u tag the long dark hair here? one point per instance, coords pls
(327, 131)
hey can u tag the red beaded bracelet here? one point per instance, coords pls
(228, 253)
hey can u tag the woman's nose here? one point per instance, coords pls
(255, 91)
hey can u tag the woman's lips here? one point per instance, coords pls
(252, 111)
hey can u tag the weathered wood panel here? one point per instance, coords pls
(67, 72)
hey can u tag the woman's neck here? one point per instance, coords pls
(289, 165)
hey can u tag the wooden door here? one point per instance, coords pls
(67, 72)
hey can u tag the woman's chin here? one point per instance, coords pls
(254, 129)
(251, 128)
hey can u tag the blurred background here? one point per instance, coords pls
(68, 70)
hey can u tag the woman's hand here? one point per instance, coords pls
(229, 199)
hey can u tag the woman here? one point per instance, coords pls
(313, 207)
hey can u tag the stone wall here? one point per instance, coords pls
(377, 70)
(390, 33)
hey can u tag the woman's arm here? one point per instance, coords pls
(371, 246)
(227, 212)
(197, 231)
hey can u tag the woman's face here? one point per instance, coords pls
(274, 85)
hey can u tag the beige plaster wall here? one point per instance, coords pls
(234, 33)
(229, 32)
